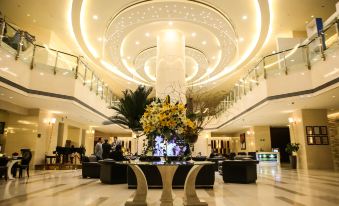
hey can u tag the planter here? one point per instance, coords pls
(293, 161)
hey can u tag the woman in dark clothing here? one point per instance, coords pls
(117, 154)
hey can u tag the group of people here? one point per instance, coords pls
(106, 150)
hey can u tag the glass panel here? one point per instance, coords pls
(82, 71)
(274, 64)
(27, 54)
(11, 38)
(66, 62)
(45, 58)
(314, 49)
(296, 61)
(331, 36)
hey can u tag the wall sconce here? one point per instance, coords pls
(291, 120)
(50, 120)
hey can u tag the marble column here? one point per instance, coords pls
(170, 65)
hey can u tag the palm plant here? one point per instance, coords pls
(131, 107)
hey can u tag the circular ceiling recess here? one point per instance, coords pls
(130, 38)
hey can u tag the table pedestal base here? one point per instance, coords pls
(167, 173)
(191, 197)
(140, 194)
(9, 168)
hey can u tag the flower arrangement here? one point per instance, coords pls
(166, 118)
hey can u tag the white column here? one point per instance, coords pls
(170, 65)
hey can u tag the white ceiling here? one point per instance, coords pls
(62, 108)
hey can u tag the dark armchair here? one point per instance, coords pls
(26, 159)
(90, 167)
(3, 167)
(112, 173)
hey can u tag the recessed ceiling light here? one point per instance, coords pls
(273, 52)
(100, 39)
(147, 34)
(302, 73)
(128, 57)
(194, 34)
(306, 22)
(41, 73)
(292, 60)
(170, 23)
(213, 57)
(312, 16)
(204, 42)
(28, 15)
(95, 17)
(137, 43)
(11, 97)
(333, 96)
(241, 39)
(244, 17)
(34, 20)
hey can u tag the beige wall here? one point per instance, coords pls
(310, 156)
(262, 135)
(74, 134)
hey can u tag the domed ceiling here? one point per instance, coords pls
(122, 36)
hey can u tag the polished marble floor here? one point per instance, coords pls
(276, 186)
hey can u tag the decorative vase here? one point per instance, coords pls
(293, 161)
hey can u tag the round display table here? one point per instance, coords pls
(167, 171)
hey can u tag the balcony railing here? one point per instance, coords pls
(22, 46)
(303, 55)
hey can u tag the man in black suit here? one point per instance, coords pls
(106, 149)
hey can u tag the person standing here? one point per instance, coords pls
(106, 149)
(115, 142)
(98, 149)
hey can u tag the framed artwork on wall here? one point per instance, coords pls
(317, 135)
(309, 130)
(323, 130)
(242, 141)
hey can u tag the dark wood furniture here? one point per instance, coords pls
(239, 171)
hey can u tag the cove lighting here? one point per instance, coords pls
(84, 30)
(116, 71)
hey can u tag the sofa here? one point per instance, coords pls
(90, 167)
(239, 171)
(205, 178)
(112, 173)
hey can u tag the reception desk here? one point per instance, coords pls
(268, 157)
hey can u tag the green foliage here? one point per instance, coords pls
(292, 147)
(131, 107)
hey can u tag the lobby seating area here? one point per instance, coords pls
(169, 102)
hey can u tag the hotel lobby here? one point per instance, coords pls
(169, 102)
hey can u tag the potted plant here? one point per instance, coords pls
(291, 149)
